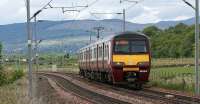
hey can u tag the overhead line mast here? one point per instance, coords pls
(196, 8)
(98, 31)
(29, 48)
(197, 48)
(29, 39)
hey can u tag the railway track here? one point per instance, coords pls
(146, 93)
(85, 94)
(176, 98)
(164, 96)
(152, 94)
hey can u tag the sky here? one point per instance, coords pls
(146, 11)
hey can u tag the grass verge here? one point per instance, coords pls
(15, 93)
(175, 78)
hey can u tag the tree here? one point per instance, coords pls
(187, 45)
(180, 28)
(151, 31)
(174, 42)
(67, 56)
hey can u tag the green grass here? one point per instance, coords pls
(10, 73)
(17, 93)
(176, 78)
(174, 70)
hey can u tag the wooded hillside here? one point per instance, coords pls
(174, 42)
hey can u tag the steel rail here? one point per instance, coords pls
(177, 98)
(84, 93)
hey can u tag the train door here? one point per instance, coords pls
(97, 52)
(103, 54)
(100, 57)
(86, 59)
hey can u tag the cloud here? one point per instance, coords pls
(148, 11)
(149, 14)
(3, 2)
(155, 10)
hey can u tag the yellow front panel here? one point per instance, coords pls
(131, 60)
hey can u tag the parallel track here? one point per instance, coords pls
(100, 99)
(176, 99)
(83, 93)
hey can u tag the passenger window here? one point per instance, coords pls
(99, 52)
(105, 51)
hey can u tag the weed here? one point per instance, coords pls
(17, 74)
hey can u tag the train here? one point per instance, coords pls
(123, 58)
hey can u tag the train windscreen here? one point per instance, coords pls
(130, 46)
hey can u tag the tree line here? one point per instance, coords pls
(173, 42)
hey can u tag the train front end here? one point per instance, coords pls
(131, 59)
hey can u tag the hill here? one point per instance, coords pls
(69, 35)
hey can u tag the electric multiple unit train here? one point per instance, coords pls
(123, 58)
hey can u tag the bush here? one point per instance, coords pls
(10, 78)
(2, 78)
(2, 74)
(17, 74)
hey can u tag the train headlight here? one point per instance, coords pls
(118, 65)
(143, 65)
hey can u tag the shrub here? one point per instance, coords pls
(2, 74)
(17, 74)
(2, 77)
(8, 78)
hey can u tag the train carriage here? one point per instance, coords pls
(120, 59)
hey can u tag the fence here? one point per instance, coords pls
(169, 62)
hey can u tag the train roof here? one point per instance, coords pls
(131, 33)
(108, 38)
